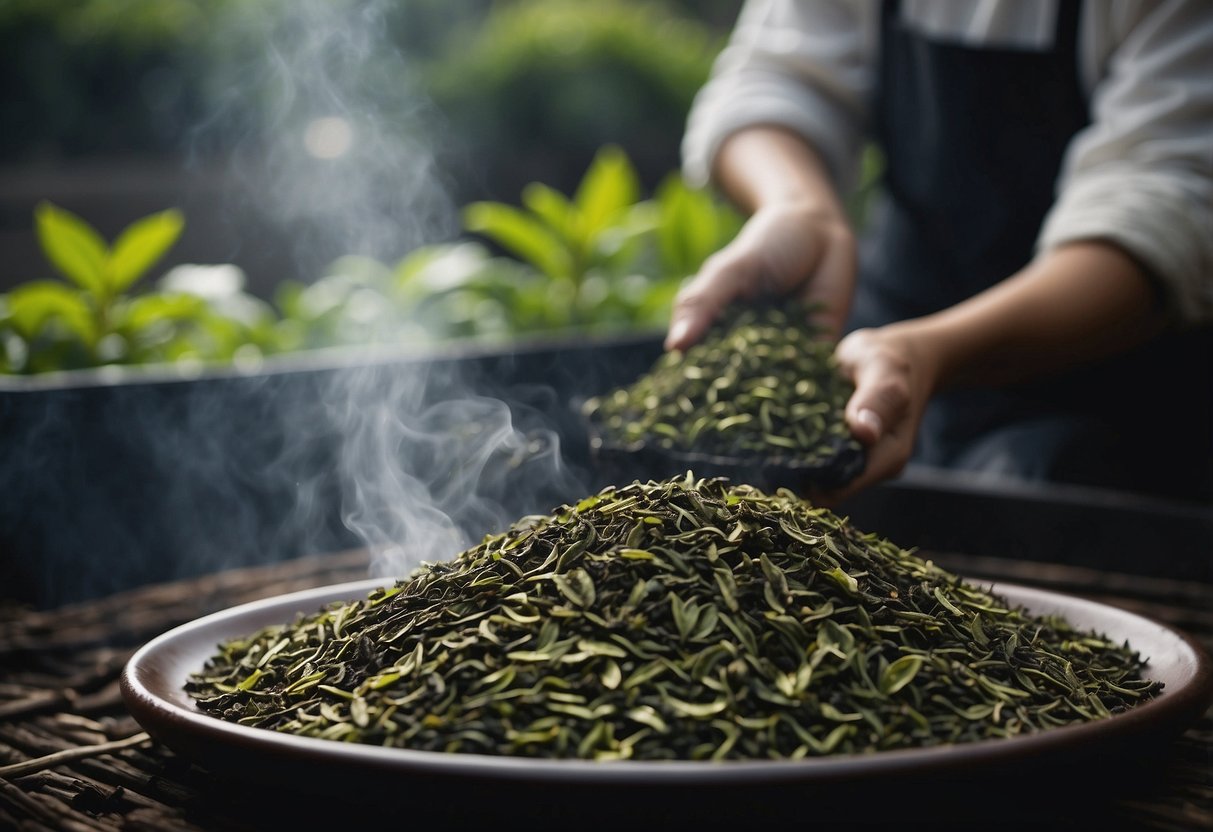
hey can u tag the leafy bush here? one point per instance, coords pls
(92, 317)
(529, 88)
(602, 260)
(533, 89)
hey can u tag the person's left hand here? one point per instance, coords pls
(894, 374)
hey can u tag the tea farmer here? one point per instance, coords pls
(1032, 293)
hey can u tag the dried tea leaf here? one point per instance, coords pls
(678, 619)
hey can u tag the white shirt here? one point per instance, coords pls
(1140, 175)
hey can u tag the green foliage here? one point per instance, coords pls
(527, 89)
(534, 87)
(611, 260)
(603, 259)
(90, 317)
(133, 24)
(436, 292)
(584, 246)
(102, 76)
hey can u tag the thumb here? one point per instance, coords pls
(882, 392)
(833, 285)
(865, 423)
(697, 304)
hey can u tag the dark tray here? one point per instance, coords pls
(623, 463)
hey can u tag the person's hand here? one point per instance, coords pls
(783, 249)
(895, 370)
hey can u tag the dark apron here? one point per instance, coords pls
(973, 140)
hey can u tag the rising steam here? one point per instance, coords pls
(429, 468)
(110, 486)
(428, 462)
(323, 118)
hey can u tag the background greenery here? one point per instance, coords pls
(530, 88)
(555, 126)
(605, 258)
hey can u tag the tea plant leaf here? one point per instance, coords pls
(760, 386)
(696, 710)
(577, 586)
(844, 580)
(692, 226)
(709, 615)
(647, 715)
(979, 633)
(32, 305)
(608, 187)
(551, 206)
(159, 308)
(73, 246)
(522, 234)
(140, 245)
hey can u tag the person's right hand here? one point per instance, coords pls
(783, 249)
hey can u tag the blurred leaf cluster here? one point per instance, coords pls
(534, 87)
(603, 259)
(93, 315)
(525, 90)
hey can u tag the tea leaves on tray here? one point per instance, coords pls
(682, 619)
(761, 383)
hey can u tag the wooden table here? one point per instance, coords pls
(74, 759)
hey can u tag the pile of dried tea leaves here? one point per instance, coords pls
(688, 619)
(761, 383)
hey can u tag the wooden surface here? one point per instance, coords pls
(59, 696)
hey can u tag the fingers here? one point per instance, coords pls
(778, 251)
(719, 282)
(833, 283)
(881, 375)
(697, 305)
(886, 458)
(884, 411)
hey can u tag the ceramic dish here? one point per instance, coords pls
(475, 788)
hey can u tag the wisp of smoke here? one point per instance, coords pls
(427, 465)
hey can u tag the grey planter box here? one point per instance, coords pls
(111, 481)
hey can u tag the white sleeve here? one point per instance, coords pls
(1141, 174)
(803, 66)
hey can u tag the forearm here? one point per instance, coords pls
(1074, 304)
(766, 166)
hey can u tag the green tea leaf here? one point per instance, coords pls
(32, 305)
(649, 716)
(522, 234)
(608, 187)
(844, 580)
(899, 674)
(140, 245)
(151, 309)
(577, 586)
(73, 246)
(696, 710)
(601, 662)
(553, 208)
